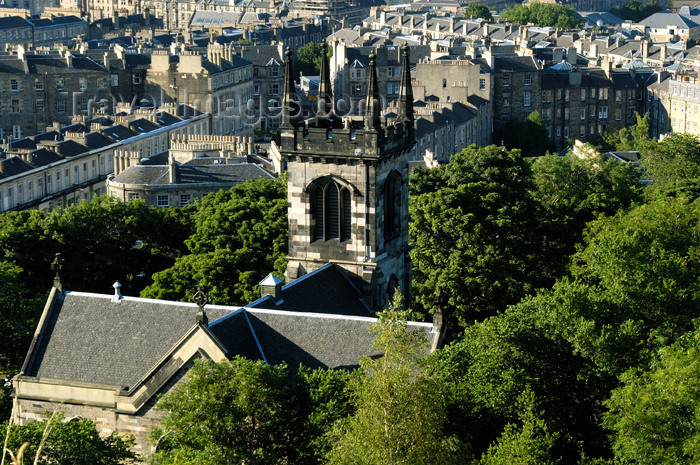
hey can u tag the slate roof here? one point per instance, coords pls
(70, 148)
(95, 140)
(88, 338)
(118, 132)
(333, 294)
(142, 125)
(141, 174)
(514, 64)
(667, 18)
(225, 174)
(12, 22)
(14, 165)
(43, 157)
(311, 339)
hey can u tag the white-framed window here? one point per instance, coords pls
(83, 84)
(527, 98)
(133, 195)
(38, 85)
(16, 131)
(602, 112)
(14, 85)
(583, 112)
(76, 174)
(58, 181)
(20, 194)
(528, 79)
(60, 105)
(482, 84)
(49, 184)
(163, 200)
(30, 190)
(60, 84)
(15, 105)
(506, 80)
(39, 105)
(185, 199)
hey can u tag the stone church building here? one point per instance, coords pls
(108, 357)
(348, 186)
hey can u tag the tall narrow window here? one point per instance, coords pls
(317, 212)
(392, 206)
(331, 211)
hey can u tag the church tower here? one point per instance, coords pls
(348, 186)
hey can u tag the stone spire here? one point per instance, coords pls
(290, 106)
(372, 109)
(406, 93)
(325, 94)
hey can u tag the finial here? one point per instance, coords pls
(372, 56)
(288, 53)
(201, 299)
(56, 266)
(117, 292)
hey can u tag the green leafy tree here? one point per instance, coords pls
(523, 349)
(544, 15)
(324, 397)
(636, 11)
(19, 312)
(74, 442)
(473, 234)
(675, 159)
(574, 191)
(106, 239)
(477, 10)
(400, 414)
(308, 59)
(530, 136)
(240, 235)
(100, 241)
(633, 138)
(653, 415)
(640, 267)
(529, 444)
(237, 411)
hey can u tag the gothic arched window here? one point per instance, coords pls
(392, 205)
(331, 211)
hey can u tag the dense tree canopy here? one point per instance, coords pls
(240, 236)
(477, 10)
(529, 136)
(75, 442)
(636, 10)
(543, 14)
(654, 413)
(400, 414)
(473, 233)
(308, 59)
